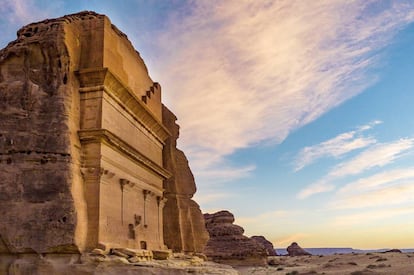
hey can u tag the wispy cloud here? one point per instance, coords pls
(242, 72)
(287, 240)
(367, 217)
(378, 180)
(320, 186)
(335, 147)
(266, 222)
(204, 198)
(267, 216)
(391, 187)
(402, 192)
(226, 173)
(378, 155)
(20, 12)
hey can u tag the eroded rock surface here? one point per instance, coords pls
(267, 244)
(89, 264)
(84, 153)
(184, 228)
(37, 152)
(295, 250)
(227, 243)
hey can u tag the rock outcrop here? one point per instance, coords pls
(39, 155)
(394, 250)
(227, 243)
(111, 264)
(267, 244)
(295, 250)
(85, 156)
(184, 228)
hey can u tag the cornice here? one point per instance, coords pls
(95, 79)
(116, 143)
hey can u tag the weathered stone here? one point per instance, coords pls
(273, 261)
(123, 251)
(98, 251)
(201, 256)
(228, 245)
(162, 254)
(136, 259)
(38, 153)
(138, 255)
(184, 228)
(118, 260)
(295, 250)
(196, 260)
(267, 244)
(104, 246)
(113, 265)
(120, 254)
(85, 147)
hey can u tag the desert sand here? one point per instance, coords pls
(354, 264)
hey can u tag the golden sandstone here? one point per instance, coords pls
(88, 155)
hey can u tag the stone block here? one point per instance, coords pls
(162, 254)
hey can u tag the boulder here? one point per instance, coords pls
(295, 250)
(228, 245)
(162, 254)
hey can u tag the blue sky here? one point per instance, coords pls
(295, 115)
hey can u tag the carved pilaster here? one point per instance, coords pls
(91, 173)
(161, 202)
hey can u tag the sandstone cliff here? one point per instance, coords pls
(84, 152)
(227, 243)
(184, 228)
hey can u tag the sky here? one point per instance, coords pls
(296, 116)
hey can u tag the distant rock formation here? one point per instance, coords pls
(394, 250)
(227, 243)
(295, 250)
(184, 228)
(267, 244)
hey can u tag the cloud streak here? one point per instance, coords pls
(335, 147)
(391, 187)
(402, 192)
(238, 73)
(378, 180)
(378, 155)
(368, 217)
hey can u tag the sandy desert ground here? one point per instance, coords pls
(354, 264)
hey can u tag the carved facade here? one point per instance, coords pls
(82, 142)
(121, 143)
